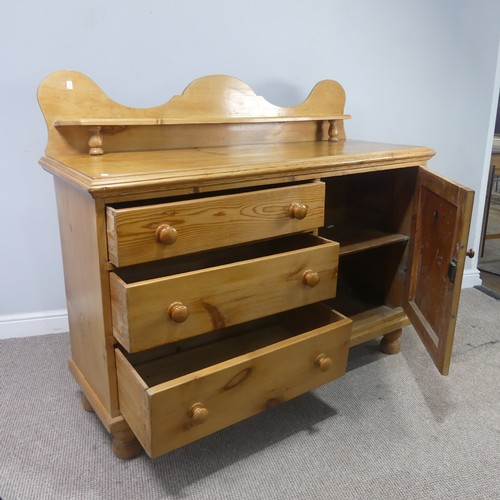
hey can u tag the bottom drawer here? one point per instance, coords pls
(174, 395)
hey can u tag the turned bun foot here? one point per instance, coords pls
(125, 445)
(390, 343)
(86, 404)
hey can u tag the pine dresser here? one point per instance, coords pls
(222, 254)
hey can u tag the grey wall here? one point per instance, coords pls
(415, 73)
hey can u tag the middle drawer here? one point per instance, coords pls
(163, 302)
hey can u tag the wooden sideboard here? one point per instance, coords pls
(222, 254)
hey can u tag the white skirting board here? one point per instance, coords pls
(471, 278)
(31, 324)
(46, 322)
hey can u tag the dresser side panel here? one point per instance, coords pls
(83, 241)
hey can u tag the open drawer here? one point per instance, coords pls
(179, 393)
(158, 303)
(151, 232)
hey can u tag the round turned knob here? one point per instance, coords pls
(310, 278)
(471, 253)
(198, 413)
(178, 312)
(297, 210)
(166, 234)
(323, 362)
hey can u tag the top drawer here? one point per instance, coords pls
(152, 232)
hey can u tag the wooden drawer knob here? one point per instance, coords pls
(297, 210)
(310, 278)
(166, 234)
(178, 312)
(323, 362)
(198, 413)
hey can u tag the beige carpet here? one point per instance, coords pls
(392, 428)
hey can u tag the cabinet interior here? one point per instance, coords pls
(369, 214)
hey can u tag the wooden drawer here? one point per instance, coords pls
(162, 302)
(172, 400)
(147, 233)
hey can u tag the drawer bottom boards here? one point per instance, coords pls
(175, 395)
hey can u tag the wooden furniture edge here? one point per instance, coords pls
(377, 328)
(232, 177)
(148, 122)
(211, 91)
(82, 233)
(112, 424)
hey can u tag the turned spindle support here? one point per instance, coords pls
(95, 141)
(333, 131)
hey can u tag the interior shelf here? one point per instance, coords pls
(365, 295)
(355, 239)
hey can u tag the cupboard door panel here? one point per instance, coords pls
(441, 221)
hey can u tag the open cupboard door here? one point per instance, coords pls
(440, 229)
